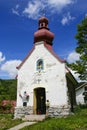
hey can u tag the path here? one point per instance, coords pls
(20, 126)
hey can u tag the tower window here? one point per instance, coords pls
(39, 65)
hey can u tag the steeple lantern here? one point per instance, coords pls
(43, 33)
(43, 23)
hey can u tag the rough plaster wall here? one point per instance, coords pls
(52, 77)
(79, 96)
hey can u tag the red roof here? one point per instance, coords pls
(43, 33)
(50, 49)
(43, 19)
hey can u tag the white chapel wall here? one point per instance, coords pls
(52, 77)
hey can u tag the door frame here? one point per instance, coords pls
(39, 94)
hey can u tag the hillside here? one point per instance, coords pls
(8, 89)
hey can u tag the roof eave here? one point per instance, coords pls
(50, 49)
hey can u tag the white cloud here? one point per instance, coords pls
(2, 58)
(59, 4)
(15, 10)
(72, 57)
(17, 6)
(33, 10)
(66, 19)
(10, 67)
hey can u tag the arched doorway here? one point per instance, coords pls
(39, 101)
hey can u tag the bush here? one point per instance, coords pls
(8, 107)
(83, 105)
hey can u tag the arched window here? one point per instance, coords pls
(39, 65)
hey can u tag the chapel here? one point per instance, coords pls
(44, 82)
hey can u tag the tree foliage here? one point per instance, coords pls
(80, 66)
(8, 89)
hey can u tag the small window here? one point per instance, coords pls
(39, 65)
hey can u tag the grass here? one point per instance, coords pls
(7, 121)
(78, 121)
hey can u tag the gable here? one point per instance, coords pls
(47, 47)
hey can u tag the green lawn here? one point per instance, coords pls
(78, 121)
(7, 121)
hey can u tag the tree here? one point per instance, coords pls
(8, 89)
(80, 66)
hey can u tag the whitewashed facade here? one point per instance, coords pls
(52, 77)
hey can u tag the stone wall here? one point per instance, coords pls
(58, 111)
(22, 111)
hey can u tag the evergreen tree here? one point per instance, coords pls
(80, 66)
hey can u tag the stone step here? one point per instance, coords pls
(34, 117)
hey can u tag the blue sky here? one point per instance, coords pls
(19, 21)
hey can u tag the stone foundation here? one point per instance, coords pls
(58, 111)
(20, 112)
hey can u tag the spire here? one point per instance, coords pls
(43, 33)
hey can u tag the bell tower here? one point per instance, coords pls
(43, 33)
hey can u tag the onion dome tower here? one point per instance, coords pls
(43, 33)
